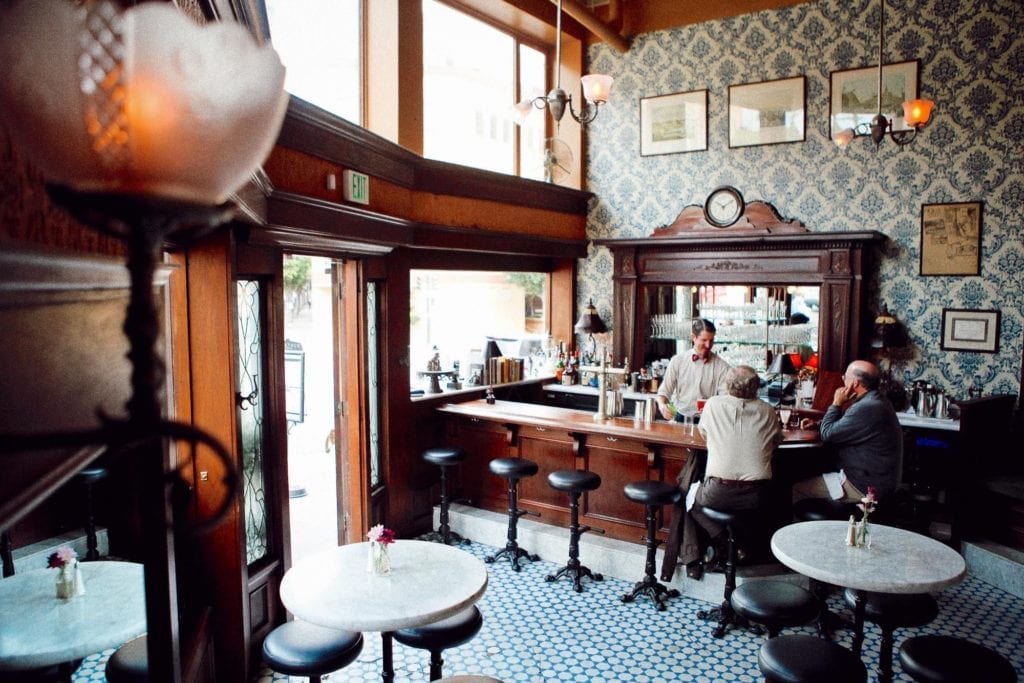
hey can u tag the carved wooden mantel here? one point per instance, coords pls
(758, 218)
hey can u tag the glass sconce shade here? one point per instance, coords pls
(596, 87)
(917, 112)
(143, 101)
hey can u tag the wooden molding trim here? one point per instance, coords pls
(297, 221)
(313, 131)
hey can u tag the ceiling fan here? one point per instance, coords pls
(557, 160)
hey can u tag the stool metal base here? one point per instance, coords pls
(453, 538)
(726, 616)
(659, 593)
(577, 572)
(513, 552)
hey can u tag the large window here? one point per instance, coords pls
(472, 75)
(455, 313)
(319, 43)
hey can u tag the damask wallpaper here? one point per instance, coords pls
(972, 65)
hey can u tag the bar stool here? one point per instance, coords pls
(88, 478)
(652, 495)
(298, 648)
(945, 659)
(445, 458)
(807, 659)
(890, 611)
(513, 469)
(725, 614)
(575, 482)
(130, 664)
(442, 635)
(775, 604)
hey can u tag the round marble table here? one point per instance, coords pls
(428, 582)
(37, 629)
(898, 561)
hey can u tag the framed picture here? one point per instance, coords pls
(768, 112)
(967, 330)
(951, 239)
(674, 123)
(854, 95)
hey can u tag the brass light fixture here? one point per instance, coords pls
(916, 113)
(596, 88)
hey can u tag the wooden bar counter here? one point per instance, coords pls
(618, 449)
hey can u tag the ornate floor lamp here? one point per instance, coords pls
(142, 123)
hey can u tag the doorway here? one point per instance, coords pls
(314, 454)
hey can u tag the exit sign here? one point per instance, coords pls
(357, 187)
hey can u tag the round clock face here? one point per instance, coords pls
(724, 206)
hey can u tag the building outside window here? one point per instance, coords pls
(319, 43)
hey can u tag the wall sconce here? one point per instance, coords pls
(596, 88)
(916, 113)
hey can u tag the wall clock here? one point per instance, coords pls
(724, 206)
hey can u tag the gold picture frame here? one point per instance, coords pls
(951, 239)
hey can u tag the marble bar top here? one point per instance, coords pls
(37, 629)
(584, 422)
(898, 561)
(944, 424)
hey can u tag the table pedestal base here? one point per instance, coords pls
(387, 660)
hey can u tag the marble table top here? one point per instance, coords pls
(37, 629)
(428, 582)
(898, 561)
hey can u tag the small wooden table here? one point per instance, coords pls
(38, 630)
(898, 561)
(428, 582)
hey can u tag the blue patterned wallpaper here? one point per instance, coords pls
(972, 65)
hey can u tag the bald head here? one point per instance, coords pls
(864, 372)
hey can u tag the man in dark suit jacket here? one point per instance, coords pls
(862, 426)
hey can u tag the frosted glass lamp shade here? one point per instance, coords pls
(596, 87)
(143, 101)
(917, 112)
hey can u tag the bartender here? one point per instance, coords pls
(698, 373)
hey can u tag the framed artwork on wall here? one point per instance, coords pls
(951, 239)
(674, 123)
(854, 95)
(970, 330)
(768, 112)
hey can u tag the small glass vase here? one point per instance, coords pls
(378, 561)
(69, 581)
(863, 534)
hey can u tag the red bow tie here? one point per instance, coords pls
(697, 357)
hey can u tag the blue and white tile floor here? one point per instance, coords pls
(542, 632)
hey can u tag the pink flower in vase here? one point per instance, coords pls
(63, 556)
(381, 534)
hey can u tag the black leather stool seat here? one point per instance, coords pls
(945, 659)
(725, 517)
(652, 493)
(775, 604)
(451, 632)
(513, 468)
(302, 649)
(130, 664)
(91, 475)
(808, 659)
(818, 509)
(444, 457)
(574, 480)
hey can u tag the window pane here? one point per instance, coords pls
(319, 44)
(454, 313)
(531, 133)
(250, 417)
(468, 90)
